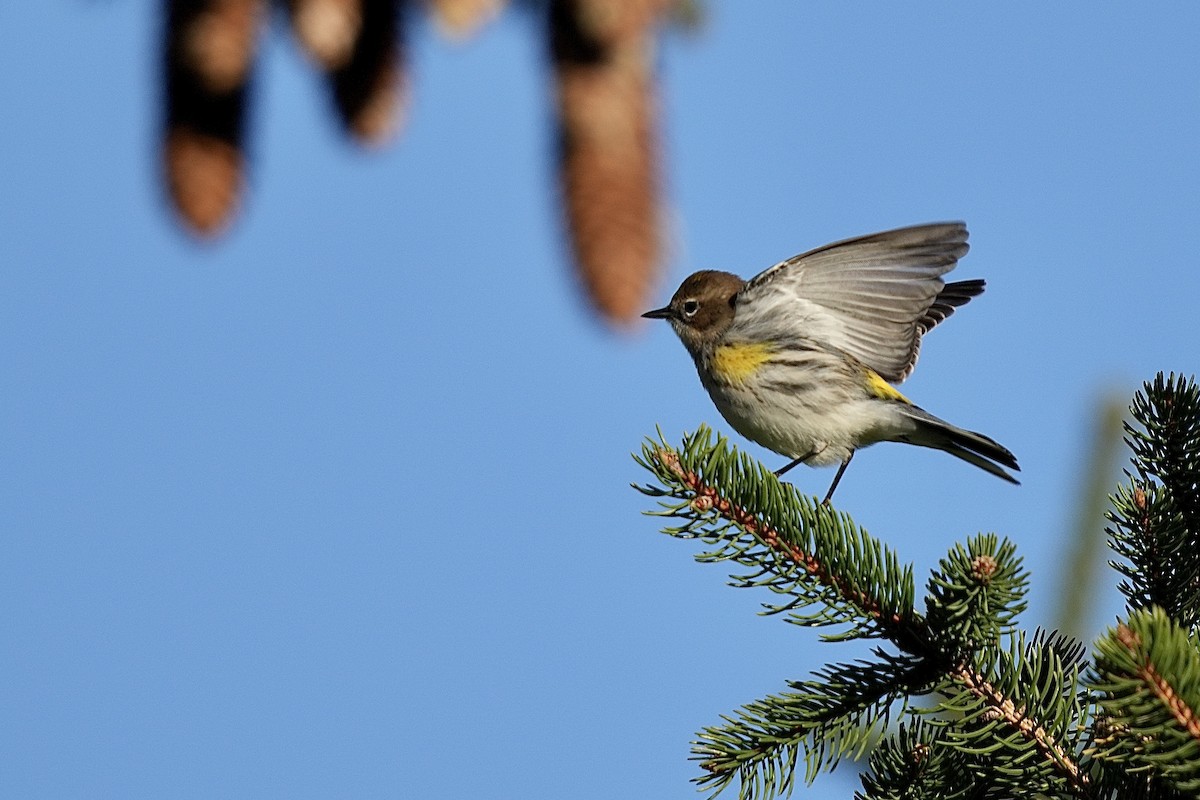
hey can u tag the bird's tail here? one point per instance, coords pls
(974, 448)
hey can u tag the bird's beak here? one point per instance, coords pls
(659, 313)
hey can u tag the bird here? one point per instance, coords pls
(803, 358)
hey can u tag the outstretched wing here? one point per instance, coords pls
(954, 295)
(873, 296)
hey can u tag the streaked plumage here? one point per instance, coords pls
(801, 357)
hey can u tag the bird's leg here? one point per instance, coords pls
(814, 452)
(779, 472)
(836, 478)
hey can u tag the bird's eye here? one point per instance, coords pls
(690, 307)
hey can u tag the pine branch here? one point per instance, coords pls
(839, 713)
(1148, 532)
(1167, 447)
(976, 594)
(1010, 715)
(1155, 521)
(917, 763)
(795, 546)
(1147, 679)
(1021, 707)
(817, 557)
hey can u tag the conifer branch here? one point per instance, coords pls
(830, 571)
(817, 556)
(1183, 714)
(1147, 681)
(1155, 521)
(1166, 441)
(839, 713)
(1011, 715)
(1001, 706)
(976, 593)
(704, 497)
(917, 762)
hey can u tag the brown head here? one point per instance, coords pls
(702, 308)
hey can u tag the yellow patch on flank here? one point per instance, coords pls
(877, 386)
(736, 362)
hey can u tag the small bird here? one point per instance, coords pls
(802, 358)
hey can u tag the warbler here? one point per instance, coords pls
(802, 358)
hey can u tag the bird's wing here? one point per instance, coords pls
(872, 297)
(954, 295)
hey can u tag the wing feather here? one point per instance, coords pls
(954, 295)
(872, 296)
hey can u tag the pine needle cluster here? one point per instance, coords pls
(955, 699)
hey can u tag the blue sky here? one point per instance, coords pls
(339, 505)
